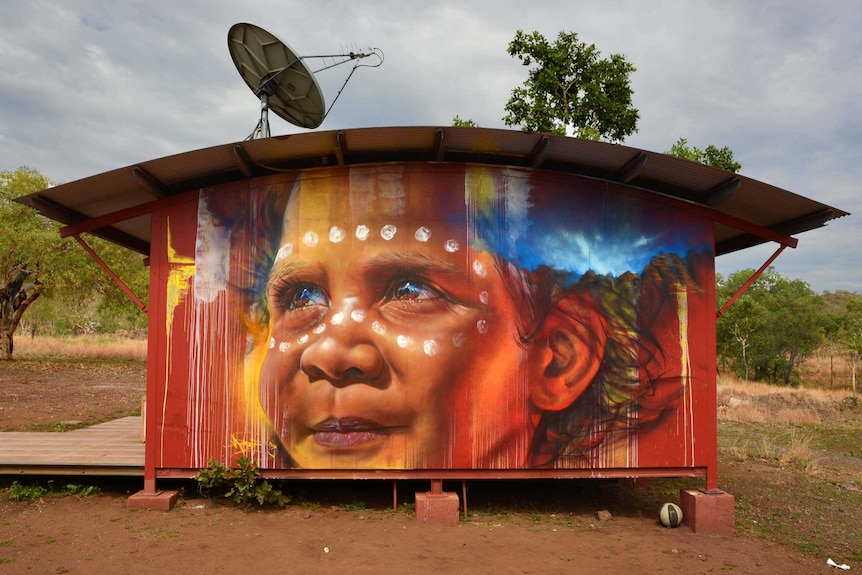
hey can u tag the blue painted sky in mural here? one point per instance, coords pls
(607, 242)
(88, 86)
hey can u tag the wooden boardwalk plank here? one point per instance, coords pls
(111, 448)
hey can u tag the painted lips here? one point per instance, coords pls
(347, 432)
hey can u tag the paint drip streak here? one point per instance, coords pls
(685, 372)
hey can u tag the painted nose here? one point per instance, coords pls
(341, 362)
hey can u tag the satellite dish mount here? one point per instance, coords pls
(281, 79)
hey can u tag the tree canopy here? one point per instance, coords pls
(571, 89)
(35, 261)
(460, 122)
(769, 331)
(711, 156)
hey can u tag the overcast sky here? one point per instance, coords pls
(87, 86)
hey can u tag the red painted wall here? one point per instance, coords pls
(432, 316)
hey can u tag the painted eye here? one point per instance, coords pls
(413, 291)
(306, 296)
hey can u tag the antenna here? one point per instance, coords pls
(279, 77)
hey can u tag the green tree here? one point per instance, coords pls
(836, 302)
(459, 122)
(771, 329)
(27, 246)
(833, 328)
(711, 156)
(852, 338)
(39, 269)
(738, 330)
(795, 312)
(570, 88)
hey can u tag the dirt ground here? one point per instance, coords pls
(339, 527)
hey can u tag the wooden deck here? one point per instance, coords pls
(112, 448)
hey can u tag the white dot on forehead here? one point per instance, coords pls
(357, 315)
(284, 346)
(483, 297)
(452, 246)
(338, 318)
(482, 326)
(430, 347)
(336, 234)
(388, 232)
(271, 342)
(378, 328)
(423, 234)
(362, 232)
(310, 239)
(403, 341)
(459, 339)
(319, 329)
(479, 268)
(284, 251)
(302, 339)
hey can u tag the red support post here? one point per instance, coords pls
(750, 281)
(110, 272)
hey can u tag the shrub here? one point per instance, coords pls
(243, 483)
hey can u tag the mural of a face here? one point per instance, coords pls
(392, 340)
(415, 316)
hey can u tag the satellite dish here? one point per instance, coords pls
(280, 79)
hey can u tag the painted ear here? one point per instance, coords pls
(571, 360)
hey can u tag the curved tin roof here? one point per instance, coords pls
(116, 205)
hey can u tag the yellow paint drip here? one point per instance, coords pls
(181, 269)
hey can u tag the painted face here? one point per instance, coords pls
(392, 341)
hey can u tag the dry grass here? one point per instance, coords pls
(799, 454)
(82, 347)
(819, 371)
(754, 402)
(785, 419)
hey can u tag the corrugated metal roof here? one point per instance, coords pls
(747, 212)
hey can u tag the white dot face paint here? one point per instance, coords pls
(319, 329)
(430, 347)
(452, 246)
(284, 346)
(423, 234)
(378, 328)
(403, 341)
(271, 342)
(388, 232)
(482, 326)
(336, 234)
(357, 315)
(310, 239)
(302, 339)
(483, 297)
(479, 268)
(338, 318)
(362, 232)
(284, 251)
(459, 339)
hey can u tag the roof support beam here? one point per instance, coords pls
(69, 216)
(150, 183)
(799, 225)
(85, 224)
(631, 169)
(141, 305)
(539, 152)
(722, 191)
(340, 147)
(439, 149)
(246, 165)
(750, 281)
(767, 234)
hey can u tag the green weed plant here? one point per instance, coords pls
(242, 484)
